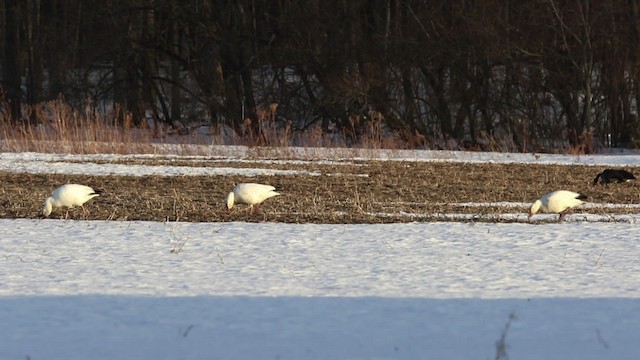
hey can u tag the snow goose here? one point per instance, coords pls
(68, 196)
(557, 202)
(613, 176)
(251, 194)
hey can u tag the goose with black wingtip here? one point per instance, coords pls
(251, 194)
(557, 202)
(68, 196)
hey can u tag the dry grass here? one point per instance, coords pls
(370, 192)
(56, 126)
(423, 189)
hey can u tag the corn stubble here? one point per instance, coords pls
(366, 192)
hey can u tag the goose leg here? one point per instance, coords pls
(562, 214)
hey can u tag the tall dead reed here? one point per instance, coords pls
(56, 126)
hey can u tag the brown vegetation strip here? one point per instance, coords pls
(390, 187)
(353, 167)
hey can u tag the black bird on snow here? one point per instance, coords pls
(613, 176)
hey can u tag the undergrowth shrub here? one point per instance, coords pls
(55, 126)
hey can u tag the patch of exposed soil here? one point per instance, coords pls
(380, 187)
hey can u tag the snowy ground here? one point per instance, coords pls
(115, 290)
(86, 164)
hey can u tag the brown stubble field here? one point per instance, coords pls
(355, 192)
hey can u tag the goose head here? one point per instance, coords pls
(229, 201)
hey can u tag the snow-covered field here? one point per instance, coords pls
(448, 290)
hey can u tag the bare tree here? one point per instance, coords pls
(11, 69)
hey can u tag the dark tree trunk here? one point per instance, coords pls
(11, 69)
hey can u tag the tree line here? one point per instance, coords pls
(539, 73)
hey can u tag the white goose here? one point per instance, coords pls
(557, 202)
(68, 196)
(251, 194)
